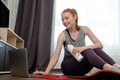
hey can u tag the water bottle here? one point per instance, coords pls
(78, 56)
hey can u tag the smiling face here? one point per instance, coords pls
(68, 20)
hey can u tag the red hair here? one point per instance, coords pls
(74, 13)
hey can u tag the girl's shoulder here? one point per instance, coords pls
(85, 29)
(62, 36)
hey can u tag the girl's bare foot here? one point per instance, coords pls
(116, 65)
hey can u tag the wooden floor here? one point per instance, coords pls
(5, 75)
(9, 77)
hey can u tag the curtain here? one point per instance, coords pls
(34, 25)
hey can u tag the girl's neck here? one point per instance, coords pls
(72, 30)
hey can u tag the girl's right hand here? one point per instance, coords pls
(39, 73)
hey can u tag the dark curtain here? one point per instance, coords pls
(34, 25)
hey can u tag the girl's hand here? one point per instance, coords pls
(39, 73)
(78, 50)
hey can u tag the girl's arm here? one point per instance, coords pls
(55, 56)
(93, 38)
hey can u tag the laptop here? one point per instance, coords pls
(19, 63)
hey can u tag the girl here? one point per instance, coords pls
(93, 55)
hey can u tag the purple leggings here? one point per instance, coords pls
(92, 58)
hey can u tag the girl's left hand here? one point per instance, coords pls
(77, 50)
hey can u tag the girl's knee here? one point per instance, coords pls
(97, 49)
(88, 50)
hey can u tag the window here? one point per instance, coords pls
(101, 16)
